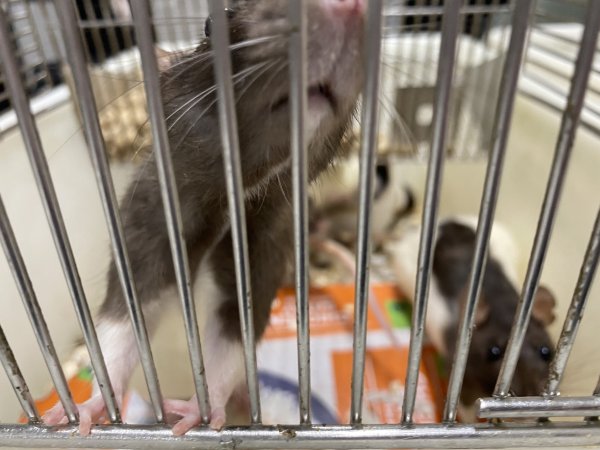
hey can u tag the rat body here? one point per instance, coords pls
(453, 254)
(258, 31)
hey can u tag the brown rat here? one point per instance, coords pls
(452, 260)
(258, 32)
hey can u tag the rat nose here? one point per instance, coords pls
(346, 7)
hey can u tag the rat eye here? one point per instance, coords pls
(208, 24)
(494, 353)
(545, 353)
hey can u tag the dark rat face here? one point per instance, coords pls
(489, 343)
(259, 51)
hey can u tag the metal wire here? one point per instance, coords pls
(299, 147)
(370, 119)
(447, 56)
(87, 104)
(559, 167)
(34, 312)
(59, 233)
(489, 199)
(235, 196)
(534, 407)
(168, 188)
(7, 359)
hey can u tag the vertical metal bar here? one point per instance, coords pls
(447, 56)
(298, 101)
(7, 359)
(235, 195)
(34, 312)
(575, 313)
(166, 175)
(370, 122)
(43, 179)
(77, 61)
(564, 146)
(508, 89)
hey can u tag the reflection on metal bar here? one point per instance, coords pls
(575, 313)
(450, 29)
(170, 200)
(7, 359)
(564, 146)
(59, 233)
(34, 312)
(534, 407)
(235, 196)
(301, 437)
(299, 147)
(370, 124)
(77, 61)
(432, 11)
(489, 199)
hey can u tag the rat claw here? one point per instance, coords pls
(90, 412)
(55, 416)
(190, 415)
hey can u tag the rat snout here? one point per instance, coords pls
(347, 8)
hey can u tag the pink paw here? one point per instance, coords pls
(90, 412)
(189, 415)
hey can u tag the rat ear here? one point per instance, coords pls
(482, 313)
(543, 305)
(163, 59)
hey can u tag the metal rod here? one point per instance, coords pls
(77, 61)
(302, 437)
(534, 407)
(575, 313)
(170, 199)
(45, 185)
(299, 147)
(489, 199)
(370, 123)
(235, 196)
(9, 363)
(562, 155)
(447, 56)
(34, 312)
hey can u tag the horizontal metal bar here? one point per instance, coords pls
(298, 437)
(235, 197)
(368, 151)
(8, 362)
(8, 242)
(432, 11)
(534, 407)
(87, 104)
(43, 179)
(170, 199)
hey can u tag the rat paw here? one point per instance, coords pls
(189, 415)
(90, 412)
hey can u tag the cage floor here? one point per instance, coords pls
(527, 165)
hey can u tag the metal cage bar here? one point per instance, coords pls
(166, 175)
(370, 118)
(575, 312)
(235, 196)
(77, 60)
(59, 233)
(562, 155)
(447, 55)
(9, 363)
(489, 199)
(536, 407)
(299, 148)
(34, 312)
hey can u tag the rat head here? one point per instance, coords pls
(490, 338)
(259, 31)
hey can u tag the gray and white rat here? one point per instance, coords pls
(452, 261)
(261, 80)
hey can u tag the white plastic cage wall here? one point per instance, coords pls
(496, 32)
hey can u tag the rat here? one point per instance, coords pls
(258, 31)
(452, 259)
